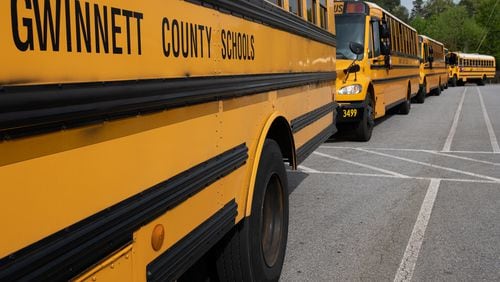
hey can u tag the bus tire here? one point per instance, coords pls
(405, 107)
(482, 81)
(364, 128)
(255, 249)
(437, 91)
(454, 81)
(420, 98)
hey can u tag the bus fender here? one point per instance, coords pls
(260, 145)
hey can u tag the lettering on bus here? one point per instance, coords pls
(185, 39)
(77, 20)
(237, 45)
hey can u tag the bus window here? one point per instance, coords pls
(295, 7)
(323, 18)
(375, 38)
(311, 10)
(276, 2)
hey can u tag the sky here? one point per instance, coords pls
(407, 4)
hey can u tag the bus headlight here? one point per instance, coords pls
(350, 89)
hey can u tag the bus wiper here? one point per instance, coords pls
(357, 49)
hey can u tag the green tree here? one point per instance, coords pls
(418, 9)
(394, 7)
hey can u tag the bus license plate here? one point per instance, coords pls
(349, 113)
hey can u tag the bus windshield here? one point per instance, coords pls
(349, 28)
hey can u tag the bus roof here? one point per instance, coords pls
(474, 56)
(373, 5)
(430, 39)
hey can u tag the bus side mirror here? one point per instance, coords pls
(352, 69)
(356, 48)
(385, 49)
(430, 59)
(387, 61)
(385, 33)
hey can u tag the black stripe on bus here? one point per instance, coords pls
(436, 73)
(262, 11)
(435, 68)
(305, 150)
(299, 123)
(181, 256)
(400, 54)
(74, 249)
(393, 67)
(28, 110)
(391, 79)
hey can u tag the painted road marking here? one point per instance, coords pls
(408, 149)
(341, 173)
(407, 266)
(453, 129)
(307, 169)
(493, 138)
(432, 165)
(440, 153)
(362, 165)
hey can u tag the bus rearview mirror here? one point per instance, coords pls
(356, 48)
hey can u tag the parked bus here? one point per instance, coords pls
(140, 136)
(433, 73)
(384, 74)
(474, 68)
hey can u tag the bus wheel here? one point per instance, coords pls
(420, 98)
(255, 249)
(482, 81)
(363, 129)
(404, 108)
(454, 81)
(437, 91)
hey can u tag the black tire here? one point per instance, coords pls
(454, 81)
(437, 91)
(405, 107)
(420, 98)
(255, 249)
(482, 81)
(446, 85)
(364, 128)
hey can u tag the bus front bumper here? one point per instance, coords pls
(352, 112)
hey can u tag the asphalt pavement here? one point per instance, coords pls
(420, 201)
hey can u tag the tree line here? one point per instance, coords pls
(471, 26)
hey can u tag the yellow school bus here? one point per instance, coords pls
(475, 68)
(433, 73)
(139, 137)
(377, 63)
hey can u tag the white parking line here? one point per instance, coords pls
(341, 173)
(431, 165)
(440, 153)
(462, 158)
(453, 129)
(493, 138)
(307, 169)
(407, 266)
(362, 165)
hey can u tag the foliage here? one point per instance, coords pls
(470, 26)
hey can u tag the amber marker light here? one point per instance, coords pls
(157, 237)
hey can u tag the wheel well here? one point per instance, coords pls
(281, 133)
(371, 90)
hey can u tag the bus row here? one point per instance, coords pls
(394, 66)
(149, 140)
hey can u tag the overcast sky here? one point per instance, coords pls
(407, 4)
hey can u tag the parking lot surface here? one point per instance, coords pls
(420, 201)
